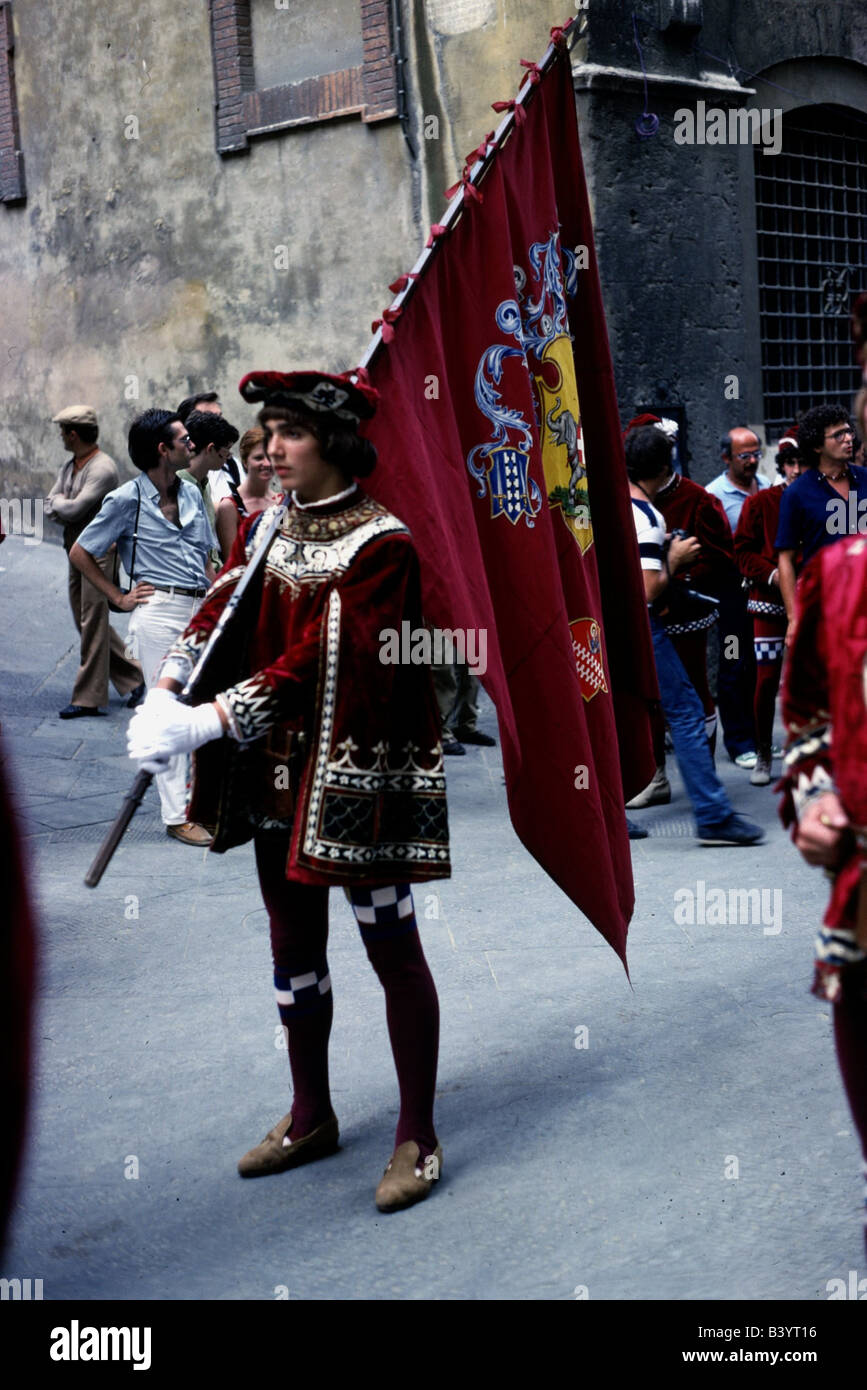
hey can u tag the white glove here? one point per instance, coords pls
(156, 699)
(170, 729)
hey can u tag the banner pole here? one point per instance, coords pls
(456, 203)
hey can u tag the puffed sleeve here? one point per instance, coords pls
(370, 597)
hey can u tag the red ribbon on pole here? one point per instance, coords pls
(384, 324)
(397, 286)
(481, 151)
(469, 188)
(534, 72)
(436, 231)
(516, 106)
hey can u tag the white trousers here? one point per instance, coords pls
(153, 628)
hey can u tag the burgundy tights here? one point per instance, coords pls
(767, 679)
(298, 915)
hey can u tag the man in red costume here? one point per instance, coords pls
(325, 754)
(825, 783)
(757, 558)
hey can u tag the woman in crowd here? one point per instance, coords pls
(254, 493)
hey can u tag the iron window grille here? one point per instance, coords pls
(811, 218)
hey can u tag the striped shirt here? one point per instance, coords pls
(650, 531)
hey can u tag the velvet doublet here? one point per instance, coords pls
(326, 737)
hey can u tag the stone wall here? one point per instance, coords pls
(143, 263)
(675, 223)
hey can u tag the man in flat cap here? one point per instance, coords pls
(73, 502)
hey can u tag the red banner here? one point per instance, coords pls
(500, 446)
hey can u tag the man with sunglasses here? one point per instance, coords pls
(741, 451)
(826, 502)
(163, 536)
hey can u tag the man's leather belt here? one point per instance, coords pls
(175, 589)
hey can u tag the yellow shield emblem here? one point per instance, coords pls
(562, 443)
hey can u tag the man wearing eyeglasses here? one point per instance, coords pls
(827, 502)
(741, 451)
(736, 682)
(163, 537)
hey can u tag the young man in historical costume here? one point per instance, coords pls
(825, 781)
(757, 558)
(328, 759)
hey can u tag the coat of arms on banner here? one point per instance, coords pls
(548, 345)
(587, 646)
(501, 466)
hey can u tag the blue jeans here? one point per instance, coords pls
(685, 715)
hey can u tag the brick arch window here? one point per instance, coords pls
(12, 188)
(365, 87)
(811, 218)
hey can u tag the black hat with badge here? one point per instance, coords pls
(352, 400)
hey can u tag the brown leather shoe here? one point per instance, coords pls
(404, 1181)
(190, 834)
(273, 1156)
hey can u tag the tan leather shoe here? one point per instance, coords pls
(189, 834)
(273, 1156)
(405, 1181)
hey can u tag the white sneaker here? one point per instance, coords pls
(761, 773)
(746, 759)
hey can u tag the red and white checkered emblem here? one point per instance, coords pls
(587, 646)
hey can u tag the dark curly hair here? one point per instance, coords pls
(790, 453)
(339, 441)
(812, 427)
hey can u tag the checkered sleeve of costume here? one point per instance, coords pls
(807, 760)
(370, 597)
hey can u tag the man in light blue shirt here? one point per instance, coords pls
(163, 536)
(736, 681)
(741, 452)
